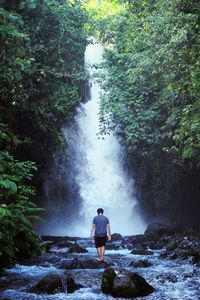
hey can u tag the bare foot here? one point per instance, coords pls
(98, 259)
(101, 259)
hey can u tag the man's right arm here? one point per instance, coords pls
(92, 231)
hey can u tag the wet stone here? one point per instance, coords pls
(142, 252)
(77, 249)
(170, 270)
(116, 237)
(82, 263)
(50, 284)
(114, 246)
(167, 277)
(156, 230)
(64, 244)
(43, 260)
(119, 282)
(72, 285)
(67, 247)
(140, 264)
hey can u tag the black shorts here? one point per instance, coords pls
(100, 241)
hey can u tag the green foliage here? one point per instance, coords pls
(42, 63)
(151, 58)
(17, 238)
(12, 175)
(152, 93)
(42, 46)
(101, 15)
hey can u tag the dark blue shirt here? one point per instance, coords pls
(100, 222)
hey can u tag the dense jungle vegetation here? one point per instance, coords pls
(152, 85)
(42, 72)
(151, 82)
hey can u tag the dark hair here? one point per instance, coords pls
(100, 211)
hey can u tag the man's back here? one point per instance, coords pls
(100, 222)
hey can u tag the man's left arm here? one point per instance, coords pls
(108, 232)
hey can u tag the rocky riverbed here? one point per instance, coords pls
(167, 259)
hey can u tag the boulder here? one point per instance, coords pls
(153, 245)
(183, 255)
(67, 247)
(60, 247)
(142, 252)
(116, 237)
(169, 255)
(124, 287)
(144, 242)
(140, 264)
(82, 263)
(171, 245)
(113, 246)
(196, 258)
(156, 230)
(77, 249)
(166, 277)
(64, 244)
(50, 284)
(119, 282)
(72, 285)
(109, 276)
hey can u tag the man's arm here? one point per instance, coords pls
(108, 232)
(92, 231)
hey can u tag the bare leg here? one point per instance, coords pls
(99, 253)
(102, 252)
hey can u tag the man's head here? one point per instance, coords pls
(100, 211)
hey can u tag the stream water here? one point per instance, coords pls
(172, 279)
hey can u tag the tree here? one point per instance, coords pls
(152, 93)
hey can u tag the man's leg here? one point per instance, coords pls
(102, 252)
(101, 249)
(99, 253)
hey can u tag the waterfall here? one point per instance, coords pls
(96, 167)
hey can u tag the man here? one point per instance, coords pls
(101, 229)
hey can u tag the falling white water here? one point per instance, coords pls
(98, 167)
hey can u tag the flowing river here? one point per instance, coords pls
(171, 279)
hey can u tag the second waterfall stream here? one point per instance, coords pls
(97, 167)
